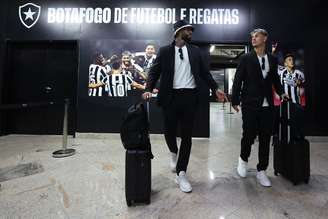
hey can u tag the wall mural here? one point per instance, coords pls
(291, 72)
(119, 68)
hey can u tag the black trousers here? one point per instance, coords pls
(257, 122)
(181, 110)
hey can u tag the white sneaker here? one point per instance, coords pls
(183, 182)
(173, 162)
(263, 179)
(242, 168)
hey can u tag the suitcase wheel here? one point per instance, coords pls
(147, 202)
(307, 180)
(129, 202)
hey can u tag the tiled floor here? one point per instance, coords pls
(90, 184)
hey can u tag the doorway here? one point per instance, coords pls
(224, 59)
(40, 72)
(223, 62)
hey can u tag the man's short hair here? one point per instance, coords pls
(150, 44)
(127, 53)
(260, 30)
(97, 57)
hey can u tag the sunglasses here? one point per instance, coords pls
(263, 63)
(181, 54)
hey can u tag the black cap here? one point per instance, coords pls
(289, 55)
(179, 25)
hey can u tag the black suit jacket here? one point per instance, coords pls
(163, 67)
(249, 86)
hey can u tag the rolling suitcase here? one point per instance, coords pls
(138, 159)
(291, 154)
(137, 177)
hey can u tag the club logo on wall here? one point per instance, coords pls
(29, 14)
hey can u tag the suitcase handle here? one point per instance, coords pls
(288, 120)
(148, 110)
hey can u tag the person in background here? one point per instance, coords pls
(293, 82)
(98, 75)
(146, 61)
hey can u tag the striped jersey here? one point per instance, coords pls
(98, 74)
(119, 84)
(289, 82)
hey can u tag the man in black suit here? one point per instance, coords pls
(181, 68)
(254, 78)
(146, 61)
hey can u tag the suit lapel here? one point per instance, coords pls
(171, 64)
(258, 66)
(171, 58)
(270, 63)
(191, 57)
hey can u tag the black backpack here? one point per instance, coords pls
(135, 128)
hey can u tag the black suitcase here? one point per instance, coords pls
(137, 176)
(138, 163)
(291, 154)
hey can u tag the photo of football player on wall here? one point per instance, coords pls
(291, 72)
(120, 68)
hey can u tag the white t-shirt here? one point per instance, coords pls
(265, 74)
(183, 78)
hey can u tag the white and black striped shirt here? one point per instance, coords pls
(289, 82)
(129, 74)
(118, 85)
(98, 74)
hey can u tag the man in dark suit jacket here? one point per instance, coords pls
(254, 78)
(181, 68)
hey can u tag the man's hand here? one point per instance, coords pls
(110, 60)
(146, 95)
(221, 96)
(285, 97)
(298, 82)
(236, 108)
(274, 47)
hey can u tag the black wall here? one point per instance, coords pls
(288, 22)
(316, 47)
(3, 22)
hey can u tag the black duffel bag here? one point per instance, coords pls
(135, 128)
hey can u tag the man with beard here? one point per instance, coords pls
(181, 68)
(119, 79)
(129, 67)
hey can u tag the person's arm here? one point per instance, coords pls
(111, 59)
(207, 77)
(154, 73)
(274, 48)
(96, 85)
(133, 83)
(153, 76)
(138, 86)
(301, 80)
(237, 83)
(276, 80)
(139, 70)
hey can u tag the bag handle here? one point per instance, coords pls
(288, 120)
